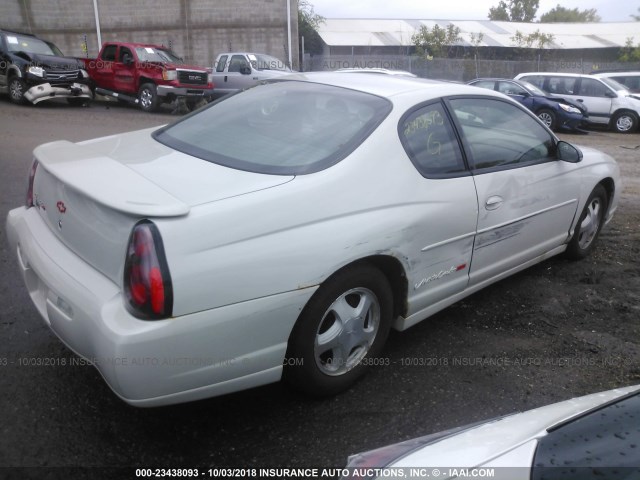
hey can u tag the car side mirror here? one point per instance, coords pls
(567, 152)
(610, 94)
(127, 59)
(245, 70)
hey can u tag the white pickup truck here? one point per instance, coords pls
(236, 71)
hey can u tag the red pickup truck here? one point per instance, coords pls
(147, 75)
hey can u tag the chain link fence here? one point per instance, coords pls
(461, 70)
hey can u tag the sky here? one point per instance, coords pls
(609, 11)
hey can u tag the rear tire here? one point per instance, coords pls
(548, 118)
(148, 97)
(624, 122)
(589, 225)
(341, 329)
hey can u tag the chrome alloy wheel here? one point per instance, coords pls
(624, 123)
(591, 223)
(347, 331)
(16, 90)
(146, 98)
(546, 119)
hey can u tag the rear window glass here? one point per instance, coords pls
(285, 128)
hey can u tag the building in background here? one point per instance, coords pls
(485, 48)
(196, 30)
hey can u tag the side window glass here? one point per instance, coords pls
(631, 82)
(499, 134)
(537, 80)
(237, 63)
(429, 140)
(221, 63)
(485, 84)
(592, 88)
(125, 52)
(109, 53)
(562, 85)
(509, 88)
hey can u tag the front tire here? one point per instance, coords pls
(17, 89)
(589, 225)
(148, 97)
(345, 323)
(548, 118)
(624, 122)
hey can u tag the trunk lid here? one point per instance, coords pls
(91, 194)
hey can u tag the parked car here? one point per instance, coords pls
(33, 70)
(235, 71)
(590, 437)
(610, 104)
(147, 75)
(555, 113)
(631, 80)
(284, 230)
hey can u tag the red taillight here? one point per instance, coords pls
(147, 283)
(32, 176)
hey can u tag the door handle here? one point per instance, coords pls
(493, 202)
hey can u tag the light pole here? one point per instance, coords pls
(288, 32)
(95, 12)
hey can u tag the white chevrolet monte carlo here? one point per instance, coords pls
(281, 232)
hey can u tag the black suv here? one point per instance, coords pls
(34, 70)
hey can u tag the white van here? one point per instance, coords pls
(609, 103)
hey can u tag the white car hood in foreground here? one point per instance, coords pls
(507, 442)
(135, 174)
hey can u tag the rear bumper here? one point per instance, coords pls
(167, 90)
(46, 91)
(150, 363)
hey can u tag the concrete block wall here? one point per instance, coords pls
(196, 30)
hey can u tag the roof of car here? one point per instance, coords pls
(555, 74)
(385, 85)
(617, 73)
(384, 71)
(4, 30)
(493, 79)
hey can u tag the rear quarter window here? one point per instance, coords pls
(109, 53)
(222, 63)
(430, 142)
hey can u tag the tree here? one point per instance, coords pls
(629, 53)
(436, 42)
(514, 11)
(636, 17)
(308, 23)
(476, 40)
(536, 39)
(561, 14)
